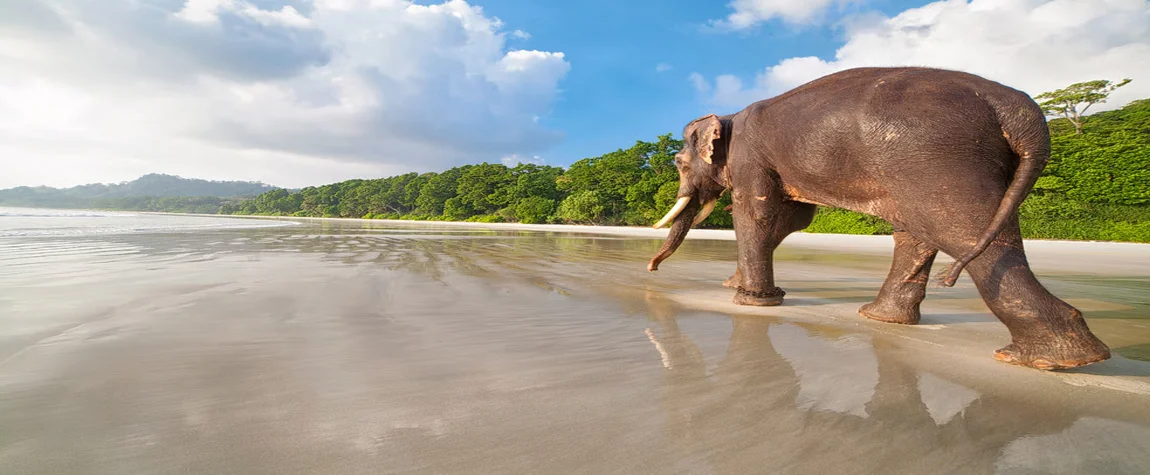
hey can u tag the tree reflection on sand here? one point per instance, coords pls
(592, 264)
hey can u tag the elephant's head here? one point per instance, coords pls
(702, 165)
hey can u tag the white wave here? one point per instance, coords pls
(79, 231)
(61, 214)
(22, 222)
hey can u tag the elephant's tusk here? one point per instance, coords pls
(671, 215)
(707, 208)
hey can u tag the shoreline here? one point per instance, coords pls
(1046, 249)
(854, 242)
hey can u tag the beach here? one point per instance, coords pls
(189, 344)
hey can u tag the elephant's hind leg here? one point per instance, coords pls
(905, 287)
(1046, 332)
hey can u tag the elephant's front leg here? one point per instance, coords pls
(757, 212)
(905, 287)
(791, 216)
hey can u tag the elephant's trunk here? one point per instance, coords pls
(683, 223)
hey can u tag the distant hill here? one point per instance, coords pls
(153, 186)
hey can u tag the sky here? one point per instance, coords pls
(307, 92)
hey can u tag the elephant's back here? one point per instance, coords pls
(875, 128)
(864, 116)
(898, 94)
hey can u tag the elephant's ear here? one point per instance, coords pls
(707, 131)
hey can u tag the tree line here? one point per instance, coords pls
(1096, 186)
(633, 186)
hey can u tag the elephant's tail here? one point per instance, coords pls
(1024, 128)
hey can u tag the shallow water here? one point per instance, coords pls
(349, 347)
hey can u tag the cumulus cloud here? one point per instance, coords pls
(1032, 45)
(290, 91)
(748, 13)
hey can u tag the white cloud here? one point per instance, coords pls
(203, 11)
(515, 159)
(1032, 45)
(299, 92)
(208, 12)
(520, 34)
(287, 16)
(748, 13)
(662, 67)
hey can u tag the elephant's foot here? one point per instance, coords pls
(888, 312)
(732, 282)
(1051, 357)
(764, 298)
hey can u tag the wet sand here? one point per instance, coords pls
(346, 347)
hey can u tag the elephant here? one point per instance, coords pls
(945, 156)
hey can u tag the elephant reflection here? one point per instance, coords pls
(784, 399)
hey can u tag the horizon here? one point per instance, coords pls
(297, 93)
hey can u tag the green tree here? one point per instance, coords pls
(455, 210)
(659, 172)
(481, 188)
(438, 189)
(534, 180)
(534, 210)
(625, 181)
(412, 189)
(277, 202)
(394, 196)
(582, 207)
(320, 201)
(1065, 102)
(354, 198)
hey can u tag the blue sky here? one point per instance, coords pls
(614, 95)
(307, 92)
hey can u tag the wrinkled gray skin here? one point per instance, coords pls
(945, 157)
